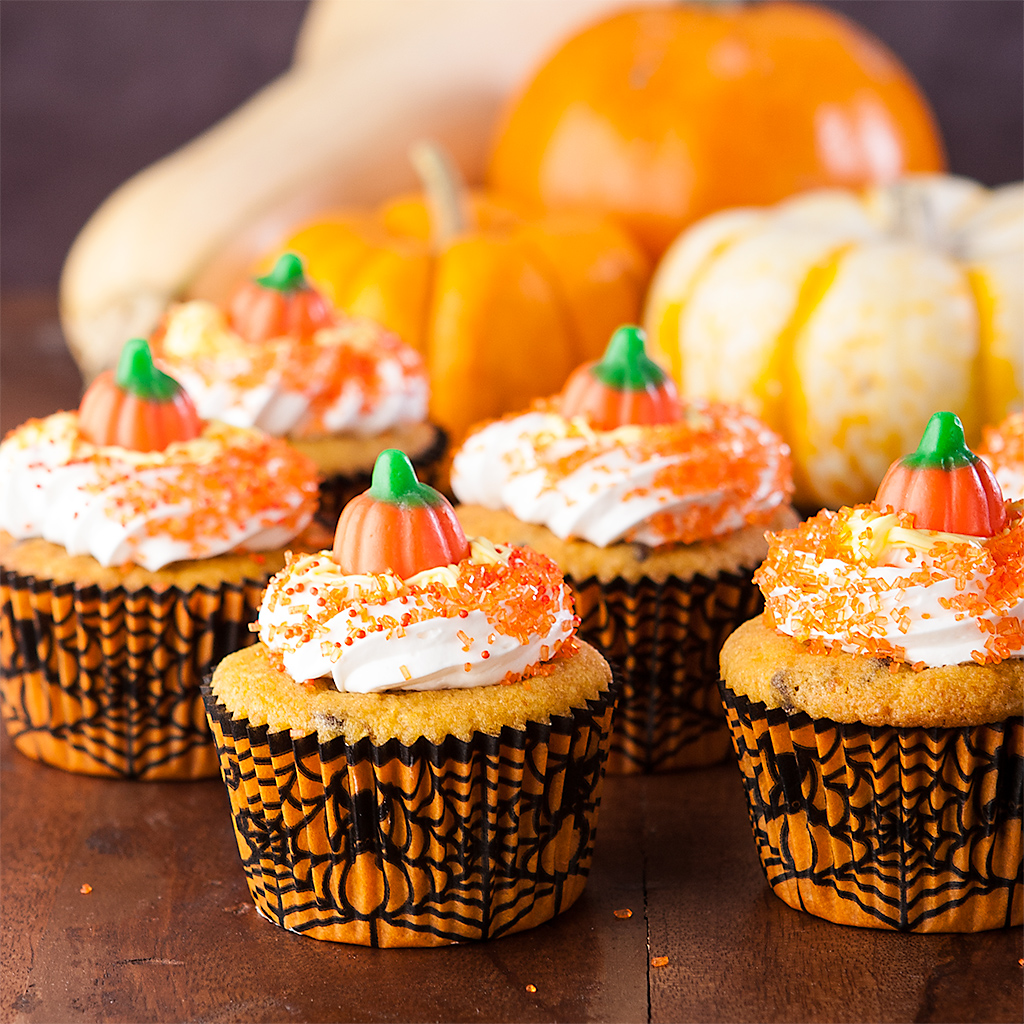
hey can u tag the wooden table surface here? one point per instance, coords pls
(168, 932)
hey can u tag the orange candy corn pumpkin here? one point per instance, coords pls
(625, 386)
(279, 304)
(137, 406)
(399, 524)
(945, 484)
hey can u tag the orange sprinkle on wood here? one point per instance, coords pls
(85, 889)
(531, 989)
(623, 914)
(659, 961)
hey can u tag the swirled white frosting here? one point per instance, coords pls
(455, 626)
(353, 378)
(713, 473)
(919, 596)
(229, 489)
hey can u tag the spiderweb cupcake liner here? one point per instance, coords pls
(107, 681)
(663, 641)
(337, 490)
(415, 845)
(909, 829)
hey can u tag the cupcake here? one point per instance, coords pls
(1003, 449)
(655, 510)
(415, 748)
(135, 541)
(280, 358)
(876, 705)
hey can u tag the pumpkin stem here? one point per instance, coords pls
(287, 274)
(444, 190)
(942, 446)
(394, 481)
(625, 365)
(137, 374)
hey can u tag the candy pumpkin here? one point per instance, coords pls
(844, 319)
(279, 304)
(137, 406)
(661, 115)
(502, 303)
(398, 524)
(945, 484)
(624, 387)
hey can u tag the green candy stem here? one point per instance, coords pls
(625, 365)
(287, 275)
(394, 481)
(137, 375)
(942, 445)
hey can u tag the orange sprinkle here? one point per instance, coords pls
(85, 889)
(531, 988)
(406, 674)
(623, 914)
(659, 961)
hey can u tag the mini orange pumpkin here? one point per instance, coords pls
(624, 386)
(279, 304)
(137, 406)
(398, 524)
(502, 300)
(945, 484)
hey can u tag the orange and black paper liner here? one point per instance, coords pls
(107, 681)
(914, 830)
(663, 641)
(421, 845)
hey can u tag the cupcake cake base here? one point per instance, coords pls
(101, 668)
(914, 827)
(412, 819)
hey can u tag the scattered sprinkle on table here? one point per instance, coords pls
(86, 889)
(623, 914)
(659, 961)
(531, 988)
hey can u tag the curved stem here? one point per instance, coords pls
(444, 189)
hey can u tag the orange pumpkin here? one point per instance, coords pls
(137, 406)
(279, 304)
(625, 386)
(502, 303)
(398, 524)
(661, 115)
(945, 484)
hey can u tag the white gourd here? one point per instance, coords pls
(847, 319)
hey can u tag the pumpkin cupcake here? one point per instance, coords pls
(655, 511)
(135, 540)
(280, 358)
(876, 705)
(414, 750)
(1003, 449)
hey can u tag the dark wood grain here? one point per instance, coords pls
(168, 932)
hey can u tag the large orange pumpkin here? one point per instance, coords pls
(661, 115)
(502, 302)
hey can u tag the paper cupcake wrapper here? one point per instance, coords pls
(338, 490)
(107, 681)
(663, 641)
(883, 827)
(421, 845)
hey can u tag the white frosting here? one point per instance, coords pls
(876, 595)
(259, 385)
(435, 652)
(610, 495)
(1011, 481)
(115, 504)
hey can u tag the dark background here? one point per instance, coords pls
(93, 90)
